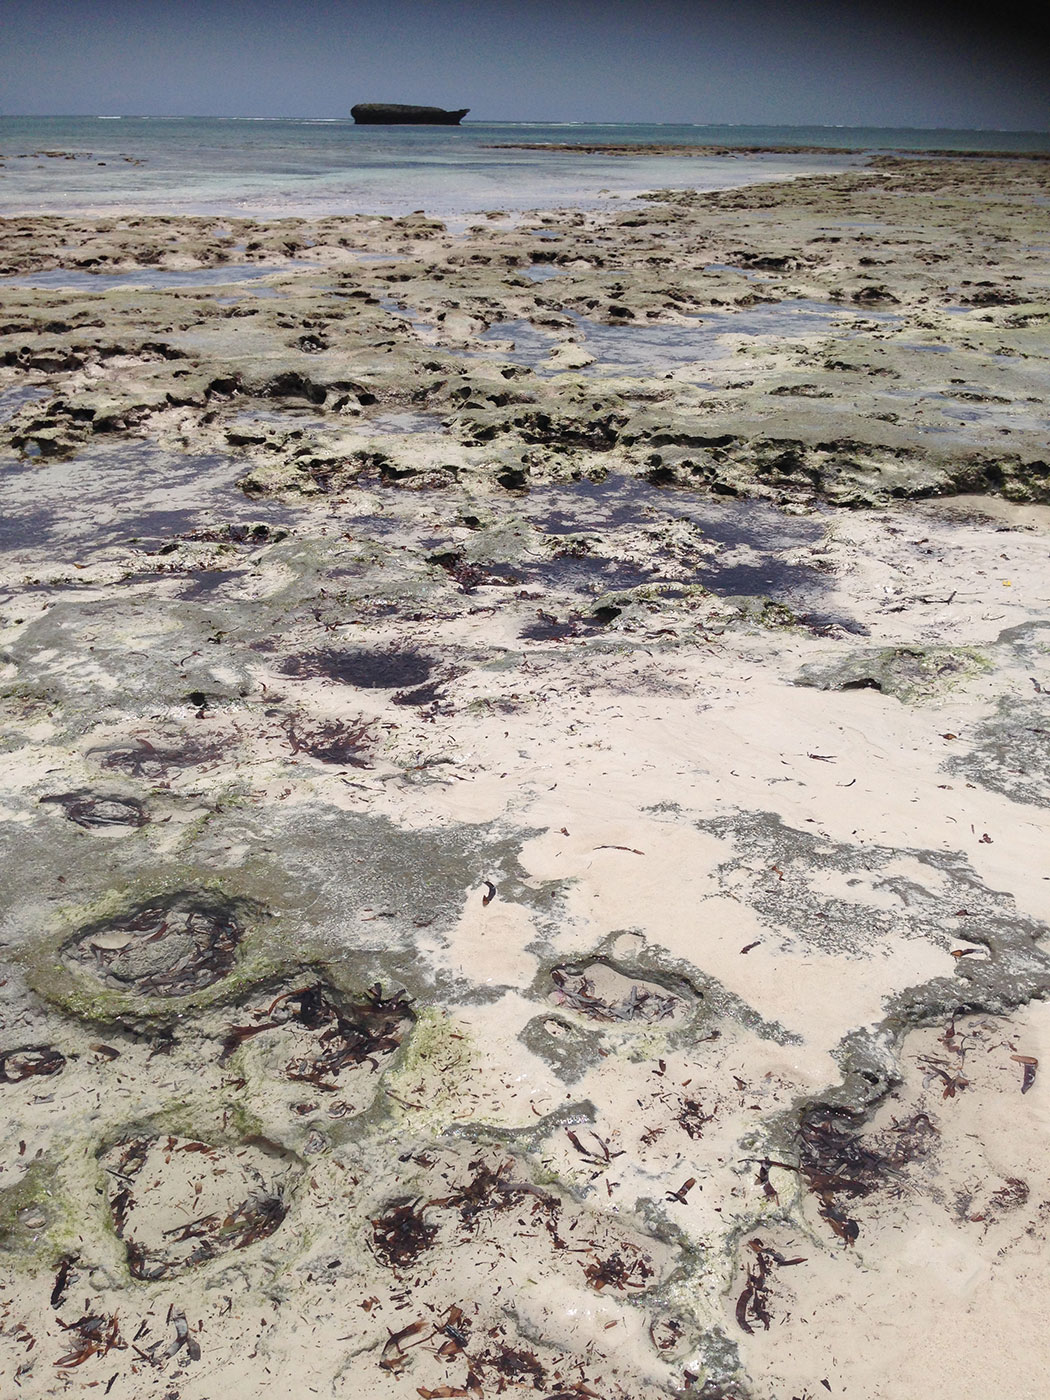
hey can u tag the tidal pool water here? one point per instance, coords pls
(116, 494)
(645, 347)
(750, 538)
(15, 399)
(153, 278)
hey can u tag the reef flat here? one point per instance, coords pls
(525, 783)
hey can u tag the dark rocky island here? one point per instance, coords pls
(401, 114)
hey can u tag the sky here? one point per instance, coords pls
(754, 62)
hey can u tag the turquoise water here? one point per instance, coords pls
(251, 167)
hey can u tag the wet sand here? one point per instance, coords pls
(525, 778)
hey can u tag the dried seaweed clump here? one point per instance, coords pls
(91, 1335)
(491, 1188)
(178, 1202)
(600, 993)
(401, 1234)
(839, 1165)
(753, 1302)
(99, 811)
(331, 742)
(331, 1035)
(490, 1360)
(28, 1062)
(405, 1230)
(141, 759)
(622, 1269)
(165, 949)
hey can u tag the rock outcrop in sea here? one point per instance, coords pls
(402, 114)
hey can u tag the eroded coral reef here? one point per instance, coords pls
(525, 797)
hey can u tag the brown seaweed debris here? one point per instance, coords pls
(515, 1365)
(167, 948)
(490, 1189)
(392, 669)
(141, 759)
(64, 1275)
(753, 1303)
(601, 1155)
(16, 1065)
(597, 991)
(392, 1357)
(617, 1272)
(178, 1202)
(402, 1234)
(254, 535)
(92, 1336)
(101, 810)
(348, 1035)
(692, 1118)
(469, 576)
(331, 742)
(837, 1164)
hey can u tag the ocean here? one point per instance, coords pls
(267, 168)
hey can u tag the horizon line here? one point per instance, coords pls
(512, 121)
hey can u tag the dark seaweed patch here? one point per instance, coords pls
(839, 1165)
(469, 576)
(752, 1305)
(91, 1336)
(64, 1274)
(142, 759)
(330, 741)
(616, 1271)
(100, 811)
(514, 1364)
(248, 1222)
(692, 1118)
(252, 535)
(490, 1189)
(370, 670)
(348, 1034)
(16, 1065)
(167, 949)
(401, 1234)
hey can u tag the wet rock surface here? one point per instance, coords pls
(524, 804)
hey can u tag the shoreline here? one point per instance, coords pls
(524, 760)
(671, 148)
(452, 192)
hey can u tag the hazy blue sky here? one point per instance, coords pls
(557, 60)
